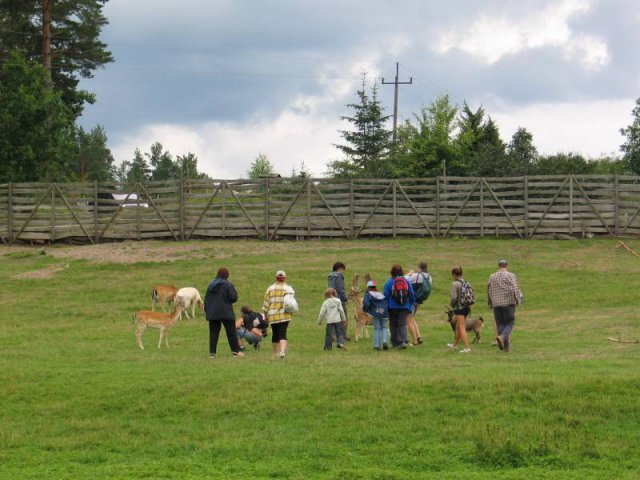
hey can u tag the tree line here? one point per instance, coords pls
(446, 139)
(48, 46)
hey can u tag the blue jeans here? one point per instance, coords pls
(328, 339)
(380, 333)
(249, 336)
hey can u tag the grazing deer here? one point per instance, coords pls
(162, 294)
(472, 324)
(189, 297)
(162, 321)
(362, 318)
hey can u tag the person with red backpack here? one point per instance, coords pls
(401, 297)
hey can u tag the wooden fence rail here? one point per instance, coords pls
(278, 208)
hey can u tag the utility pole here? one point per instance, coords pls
(395, 98)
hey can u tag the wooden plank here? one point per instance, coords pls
(73, 214)
(595, 210)
(275, 231)
(550, 204)
(204, 211)
(471, 192)
(373, 211)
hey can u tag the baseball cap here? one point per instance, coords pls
(371, 283)
(502, 262)
(281, 273)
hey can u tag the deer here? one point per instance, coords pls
(162, 294)
(472, 324)
(162, 321)
(362, 318)
(190, 297)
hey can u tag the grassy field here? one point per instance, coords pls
(78, 399)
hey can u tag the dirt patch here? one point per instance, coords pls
(42, 274)
(128, 252)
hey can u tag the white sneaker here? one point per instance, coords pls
(465, 350)
(281, 355)
(451, 346)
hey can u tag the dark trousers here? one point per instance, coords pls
(214, 333)
(333, 329)
(505, 321)
(398, 327)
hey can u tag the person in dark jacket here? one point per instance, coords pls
(218, 308)
(335, 280)
(377, 307)
(398, 312)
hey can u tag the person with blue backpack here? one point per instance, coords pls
(401, 298)
(375, 304)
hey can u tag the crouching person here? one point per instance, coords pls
(251, 327)
(375, 304)
(333, 313)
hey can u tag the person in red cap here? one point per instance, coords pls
(274, 313)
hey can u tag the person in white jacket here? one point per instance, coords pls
(333, 313)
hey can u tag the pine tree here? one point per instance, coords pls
(368, 144)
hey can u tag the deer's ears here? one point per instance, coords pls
(355, 280)
(367, 277)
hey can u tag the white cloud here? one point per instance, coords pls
(304, 131)
(493, 36)
(590, 128)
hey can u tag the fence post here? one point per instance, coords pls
(10, 212)
(482, 209)
(437, 206)
(95, 211)
(571, 205)
(52, 232)
(395, 212)
(181, 212)
(526, 207)
(266, 208)
(351, 213)
(224, 209)
(616, 204)
(138, 213)
(308, 208)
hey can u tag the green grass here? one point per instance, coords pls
(78, 399)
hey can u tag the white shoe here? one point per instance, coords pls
(465, 350)
(281, 355)
(451, 346)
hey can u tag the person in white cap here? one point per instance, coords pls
(375, 304)
(273, 311)
(503, 293)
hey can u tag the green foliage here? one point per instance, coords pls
(157, 165)
(76, 49)
(78, 399)
(93, 160)
(563, 164)
(37, 133)
(631, 147)
(163, 167)
(522, 155)
(482, 151)
(367, 145)
(426, 146)
(261, 166)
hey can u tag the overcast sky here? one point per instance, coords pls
(229, 79)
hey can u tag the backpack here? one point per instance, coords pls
(400, 290)
(466, 296)
(422, 290)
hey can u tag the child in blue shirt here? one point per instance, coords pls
(375, 304)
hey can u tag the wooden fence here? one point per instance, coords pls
(523, 207)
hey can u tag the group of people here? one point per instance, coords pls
(392, 310)
(251, 326)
